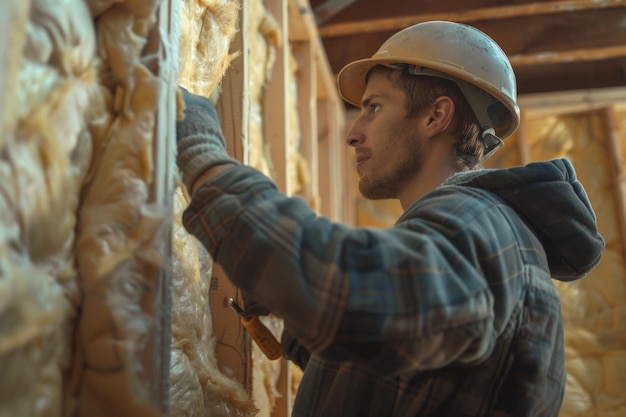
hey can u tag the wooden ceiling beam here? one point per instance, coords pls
(580, 55)
(546, 104)
(568, 76)
(463, 16)
(329, 9)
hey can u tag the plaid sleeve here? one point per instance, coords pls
(397, 298)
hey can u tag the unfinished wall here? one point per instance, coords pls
(90, 205)
(593, 308)
(269, 106)
(85, 236)
(109, 308)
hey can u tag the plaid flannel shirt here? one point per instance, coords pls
(451, 312)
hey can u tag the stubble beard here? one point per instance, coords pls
(388, 184)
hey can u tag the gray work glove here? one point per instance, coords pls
(199, 139)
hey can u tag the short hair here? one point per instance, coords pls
(421, 91)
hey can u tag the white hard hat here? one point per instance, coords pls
(454, 51)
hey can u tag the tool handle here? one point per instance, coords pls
(263, 337)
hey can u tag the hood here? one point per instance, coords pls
(554, 204)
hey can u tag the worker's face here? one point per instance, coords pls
(387, 145)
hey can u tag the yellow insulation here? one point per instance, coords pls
(82, 240)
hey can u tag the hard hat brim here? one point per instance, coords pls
(351, 78)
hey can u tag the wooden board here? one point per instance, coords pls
(232, 348)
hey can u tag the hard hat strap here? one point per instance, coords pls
(490, 141)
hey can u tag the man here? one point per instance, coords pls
(452, 312)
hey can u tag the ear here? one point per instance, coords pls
(440, 115)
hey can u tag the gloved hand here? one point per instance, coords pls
(252, 307)
(199, 139)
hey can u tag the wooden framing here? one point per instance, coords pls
(163, 191)
(327, 10)
(467, 16)
(232, 349)
(616, 168)
(571, 101)
(322, 115)
(320, 110)
(233, 105)
(276, 122)
(304, 53)
(321, 124)
(553, 45)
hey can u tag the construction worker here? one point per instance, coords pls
(451, 312)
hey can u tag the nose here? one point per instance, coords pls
(355, 136)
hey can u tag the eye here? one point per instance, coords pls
(373, 108)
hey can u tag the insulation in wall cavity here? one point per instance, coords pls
(198, 387)
(82, 238)
(594, 314)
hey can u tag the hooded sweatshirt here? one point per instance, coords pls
(451, 312)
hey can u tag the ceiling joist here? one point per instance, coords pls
(463, 16)
(553, 45)
(329, 9)
(594, 54)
